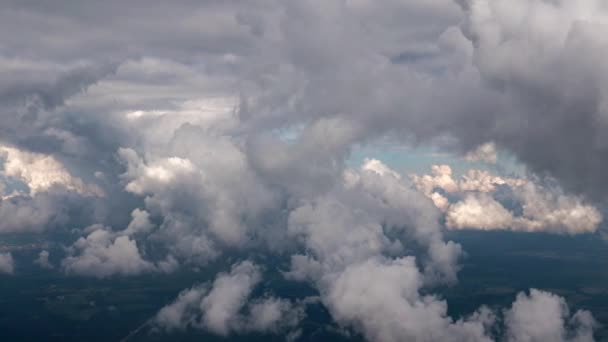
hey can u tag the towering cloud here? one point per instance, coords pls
(41, 172)
(550, 109)
(103, 253)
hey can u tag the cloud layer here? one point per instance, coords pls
(161, 136)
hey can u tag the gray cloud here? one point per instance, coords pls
(43, 260)
(550, 111)
(218, 308)
(7, 264)
(221, 126)
(473, 203)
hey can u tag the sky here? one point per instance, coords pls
(345, 136)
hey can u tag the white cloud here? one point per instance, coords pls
(552, 209)
(102, 253)
(365, 279)
(228, 295)
(473, 206)
(40, 172)
(484, 181)
(542, 316)
(363, 276)
(211, 186)
(218, 308)
(478, 212)
(214, 175)
(441, 177)
(378, 167)
(381, 298)
(182, 311)
(22, 213)
(273, 315)
(543, 210)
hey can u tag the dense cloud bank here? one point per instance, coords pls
(169, 135)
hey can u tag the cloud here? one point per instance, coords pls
(545, 210)
(542, 316)
(102, 254)
(473, 204)
(43, 260)
(478, 212)
(485, 152)
(22, 213)
(182, 312)
(551, 108)
(441, 177)
(219, 308)
(40, 172)
(227, 297)
(7, 264)
(381, 298)
(366, 280)
(368, 207)
(274, 315)
(42, 193)
(380, 168)
(357, 239)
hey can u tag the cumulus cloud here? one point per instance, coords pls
(543, 210)
(478, 212)
(362, 274)
(218, 308)
(43, 260)
(441, 177)
(230, 131)
(542, 316)
(140, 223)
(227, 297)
(474, 206)
(40, 172)
(7, 264)
(362, 279)
(102, 253)
(23, 213)
(379, 167)
(42, 192)
(381, 298)
(207, 197)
